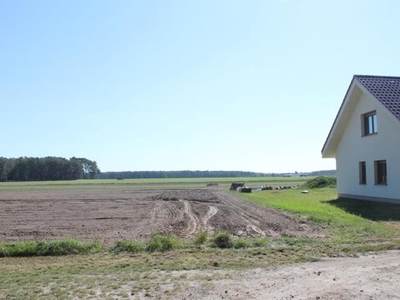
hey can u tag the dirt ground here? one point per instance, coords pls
(365, 277)
(114, 215)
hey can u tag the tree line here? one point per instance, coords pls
(177, 174)
(46, 168)
(203, 174)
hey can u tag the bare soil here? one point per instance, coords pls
(365, 277)
(113, 215)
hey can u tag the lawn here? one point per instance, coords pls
(348, 221)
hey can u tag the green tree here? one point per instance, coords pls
(89, 167)
(4, 168)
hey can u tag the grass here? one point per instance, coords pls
(129, 247)
(343, 218)
(222, 240)
(200, 239)
(163, 243)
(49, 248)
(149, 183)
(110, 276)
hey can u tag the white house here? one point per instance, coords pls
(365, 140)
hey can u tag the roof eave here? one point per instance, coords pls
(329, 149)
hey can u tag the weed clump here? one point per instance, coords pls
(321, 182)
(240, 243)
(223, 240)
(259, 242)
(200, 239)
(162, 243)
(49, 248)
(129, 246)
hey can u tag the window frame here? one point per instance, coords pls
(369, 123)
(380, 168)
(362, 167)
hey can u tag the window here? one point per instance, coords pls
(363, 172)
(380, 172)
(370, 125)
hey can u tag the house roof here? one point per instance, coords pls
(385, 89)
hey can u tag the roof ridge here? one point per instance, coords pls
(376, 76)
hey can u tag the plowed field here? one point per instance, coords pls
(113, 215)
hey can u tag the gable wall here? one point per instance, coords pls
(354, 148)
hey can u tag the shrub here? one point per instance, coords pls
(162, 243)
(223, 240)
(240, 243)
(129, 246)
(68, 246)
(20, 249)
(259, 242)
(47, 248)
(321, 182)
(200, 239)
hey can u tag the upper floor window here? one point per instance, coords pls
(370, 125)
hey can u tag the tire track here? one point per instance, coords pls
(193, 223)
(240, 211)
(211, 212)
(153, 216)
(164, 217)
(176, 216)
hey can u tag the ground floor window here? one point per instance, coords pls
(363, 172)
(380, 172)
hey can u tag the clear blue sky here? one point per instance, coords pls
(186, 85)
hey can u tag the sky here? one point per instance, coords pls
(186, 85)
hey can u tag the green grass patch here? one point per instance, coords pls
(343, 218)
(222, 240)
(49, 248)
(241, 243)
(200, 239)
(163, 243)
(157, 243)
(129, 246)
(149, 183)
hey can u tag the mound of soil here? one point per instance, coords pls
(113, 215)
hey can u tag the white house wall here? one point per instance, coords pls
(353, 148)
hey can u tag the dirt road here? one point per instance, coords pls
(366, 277)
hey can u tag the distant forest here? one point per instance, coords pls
(59, 168)
(46, 168)
(203, 174)
(176, 174)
